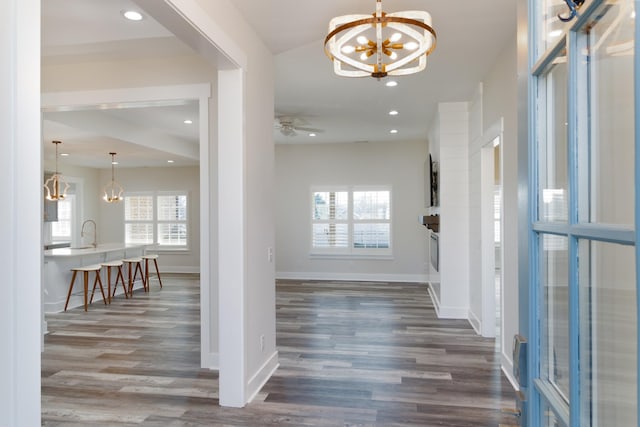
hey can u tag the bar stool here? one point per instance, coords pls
(118, 264)
(86, 270)
(146, 259)
(134, 265)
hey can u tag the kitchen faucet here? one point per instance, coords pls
(95, 232)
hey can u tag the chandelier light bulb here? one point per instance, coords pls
(348, 49)
(362, 40)
(411, 46)
(395, 37)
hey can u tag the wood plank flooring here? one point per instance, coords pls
(351, 354)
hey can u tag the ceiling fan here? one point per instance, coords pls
(290, 126)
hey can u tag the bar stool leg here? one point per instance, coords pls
(108, 283)
(120, 277)
(135, 274)
(97, 280)
(86, 288)
(146, 272)
(73, 279)
(155, 261)
(130, 281)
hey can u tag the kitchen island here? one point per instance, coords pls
(57, 272)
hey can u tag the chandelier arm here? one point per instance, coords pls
(383, 20)
(343, 27)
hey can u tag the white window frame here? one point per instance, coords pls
(155, 222)
(350, 251)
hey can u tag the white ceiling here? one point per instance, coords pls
(471, 34)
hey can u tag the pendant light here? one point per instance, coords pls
(113, 191)
(379, 45)
(55, 181)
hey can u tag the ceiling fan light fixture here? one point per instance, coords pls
(113, 191)
(366, 45)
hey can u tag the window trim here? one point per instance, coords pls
(350, 252)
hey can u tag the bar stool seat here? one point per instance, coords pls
(117, 264)
(154, 258)
(86, 270)
(134, 265)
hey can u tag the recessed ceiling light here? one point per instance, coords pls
(391, 83)
(64, 154)
(393, 131)
(393, 113)
(312, 134)
(188, 122)
(169, 161)
(132, 15)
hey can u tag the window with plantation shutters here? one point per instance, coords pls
(172, 220)
(351, 221)
(157, 218)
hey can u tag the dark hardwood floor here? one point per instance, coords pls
(351, 354)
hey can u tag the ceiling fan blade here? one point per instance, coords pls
(306, 129)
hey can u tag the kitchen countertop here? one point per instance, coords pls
(88, 250)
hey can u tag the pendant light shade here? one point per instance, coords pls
(56, 182)
(113, 191)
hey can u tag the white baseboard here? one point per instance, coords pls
(260, 378)
(355, 277)
(210, 361)
(475, 322)
(434, 299)
(507, 368)
(179, 269)
(446, 312)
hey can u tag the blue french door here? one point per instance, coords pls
(584, 216)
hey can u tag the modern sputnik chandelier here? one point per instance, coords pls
(113, 191)
(55, 181)
(384, 44)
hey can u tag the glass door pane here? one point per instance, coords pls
(607, 162)
(608, 319)
(554, 332)
(552, 170)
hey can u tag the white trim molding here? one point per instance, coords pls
(260, 378)
(352, 277)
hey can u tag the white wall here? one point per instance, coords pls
(111, 215)
(258, 196)
(500, 100)
(396, 164)
(497, 101)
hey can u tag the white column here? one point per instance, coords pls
(20, 216)
(232, 238)
(454, 210)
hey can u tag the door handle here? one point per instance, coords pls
(573, 10)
